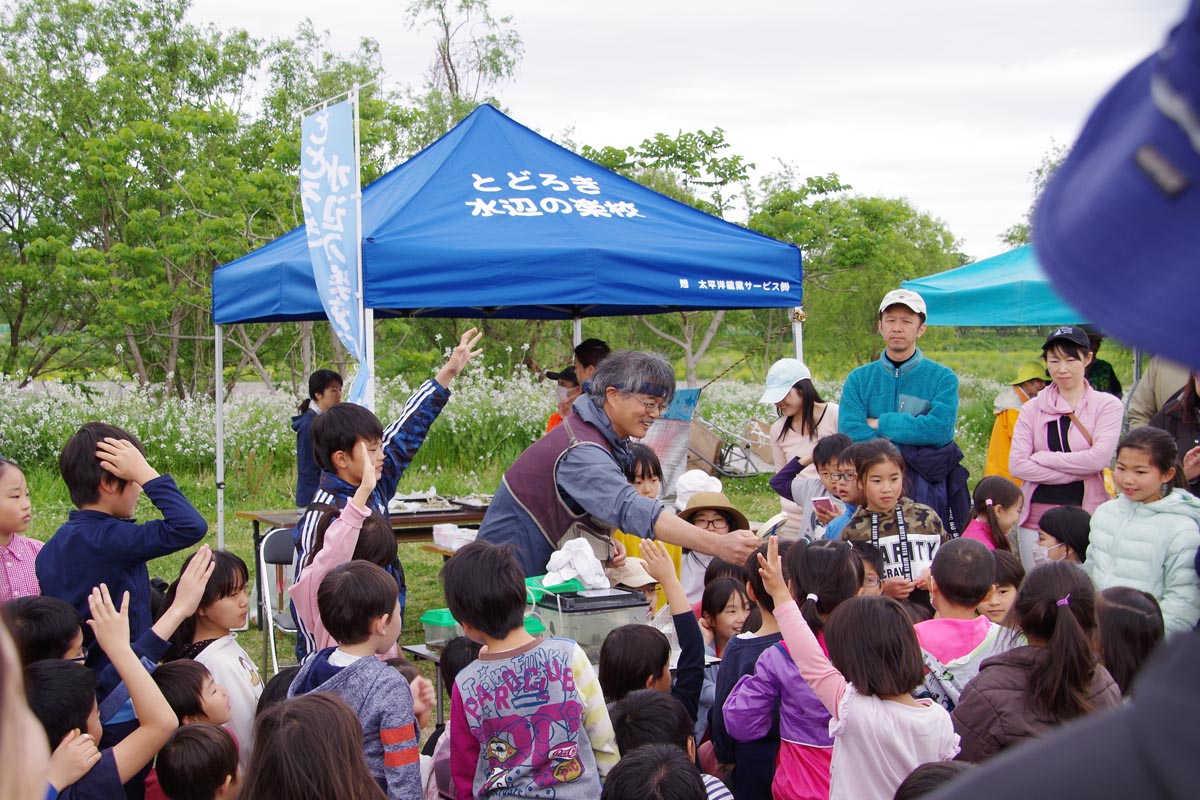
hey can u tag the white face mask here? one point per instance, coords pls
(1041, 554)
(562, 393)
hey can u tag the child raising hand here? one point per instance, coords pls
(880, 733)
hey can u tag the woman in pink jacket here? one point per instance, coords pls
(1067, 435)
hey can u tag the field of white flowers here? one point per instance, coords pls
(495, 412)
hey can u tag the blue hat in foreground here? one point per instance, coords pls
(1118, 227)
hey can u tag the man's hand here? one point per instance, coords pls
(74, 757)
(110, 626)
(619, 554)
(122, 458)
(736, 546)
(873, 422)
(460, 356)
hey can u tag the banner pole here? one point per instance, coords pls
(367, 315)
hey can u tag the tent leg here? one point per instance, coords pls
(577, 332)
(368, 332)
(218, 340)
(798, 332)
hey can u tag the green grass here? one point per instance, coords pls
(486, 426)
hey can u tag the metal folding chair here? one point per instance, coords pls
(276, 549)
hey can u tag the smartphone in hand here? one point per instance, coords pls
(825, 505)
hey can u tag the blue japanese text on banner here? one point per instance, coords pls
(328, 190)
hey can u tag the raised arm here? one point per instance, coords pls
(154, 643)
(781, 481)
(181, 525)
(407, 433)
(156, 720)
(827, 683)
(689, 672)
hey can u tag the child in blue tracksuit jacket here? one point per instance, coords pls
(338, 430)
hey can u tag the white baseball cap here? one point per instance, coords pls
(781, 377)
(903, 297)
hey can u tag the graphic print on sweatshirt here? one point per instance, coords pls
(528, 714)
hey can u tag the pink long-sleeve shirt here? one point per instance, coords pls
(1031, 460)
(340, 541)
(876, 742)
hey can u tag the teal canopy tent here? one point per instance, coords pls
(1005, 290)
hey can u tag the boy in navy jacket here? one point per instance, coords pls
(105, 470)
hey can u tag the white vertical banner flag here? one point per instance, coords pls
(329, 193)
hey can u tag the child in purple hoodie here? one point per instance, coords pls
(822, 576)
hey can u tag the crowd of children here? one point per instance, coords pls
(870, 657)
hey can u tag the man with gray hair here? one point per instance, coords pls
(571, 483)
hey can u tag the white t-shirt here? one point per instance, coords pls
(229, 666)
(878, 742)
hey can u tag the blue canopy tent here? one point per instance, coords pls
(494, 220)
(1006, 290)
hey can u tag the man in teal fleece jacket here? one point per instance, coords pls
(903, 396)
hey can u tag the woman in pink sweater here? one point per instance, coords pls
(1067, 435)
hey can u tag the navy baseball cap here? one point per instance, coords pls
(1118, 227)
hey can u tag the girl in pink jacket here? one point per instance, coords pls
(1067, 435)
(354, 534)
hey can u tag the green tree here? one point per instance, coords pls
(855, 249)
(127, 117)
(1052, 159)
(693, 168)
(474, 52)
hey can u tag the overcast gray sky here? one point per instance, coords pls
(950, 103)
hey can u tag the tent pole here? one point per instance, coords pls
(218, 341)
(577, 331)
(798, 332)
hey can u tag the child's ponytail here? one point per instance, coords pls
(1057, 605)
(824, 575)
(318, 382)
(990, 492)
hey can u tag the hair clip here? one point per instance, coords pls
(1066, 600)
(811, 596)
(988, 502)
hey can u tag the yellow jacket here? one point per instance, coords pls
(1006, 407)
